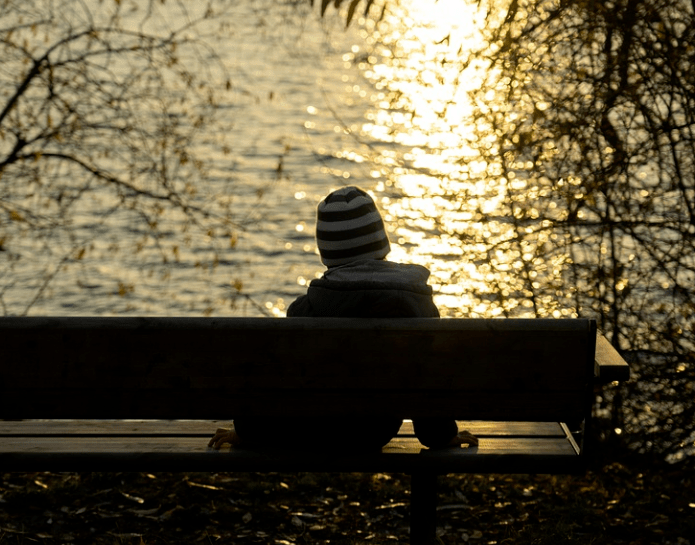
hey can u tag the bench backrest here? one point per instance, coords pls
(209, 368)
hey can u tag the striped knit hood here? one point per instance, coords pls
(349, 228)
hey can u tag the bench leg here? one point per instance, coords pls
(423, 508)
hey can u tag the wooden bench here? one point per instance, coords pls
(146, 394)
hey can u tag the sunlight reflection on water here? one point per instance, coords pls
(442, 199)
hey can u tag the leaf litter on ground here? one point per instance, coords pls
(617, 504)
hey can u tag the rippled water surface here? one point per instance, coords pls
(287, 74)
(313, 107)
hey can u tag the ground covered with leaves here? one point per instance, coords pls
(618, 504)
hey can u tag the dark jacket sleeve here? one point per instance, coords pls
(300, 308)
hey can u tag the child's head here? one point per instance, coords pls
(349, 228)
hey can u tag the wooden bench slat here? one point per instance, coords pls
(404, 453)
(609, 365)
(292, 354)
(105, 403)
(500, 429)
(230, 383)
(205, 428)
(184, 444)
(182, 323)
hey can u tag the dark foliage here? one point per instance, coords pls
(603, 98)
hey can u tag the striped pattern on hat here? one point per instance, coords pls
(349, 228)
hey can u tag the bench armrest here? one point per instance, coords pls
(609, 366)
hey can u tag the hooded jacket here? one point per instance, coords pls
(368, 288)
(373, 288)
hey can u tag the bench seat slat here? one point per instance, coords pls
(501, 447)
(185, 445)
(205, 428)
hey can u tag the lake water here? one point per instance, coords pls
(312, 108)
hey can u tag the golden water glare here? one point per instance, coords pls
(422, 107)
(440, 198)
(430, 157)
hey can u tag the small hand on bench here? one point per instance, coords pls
(464, 438)
(223, 436)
